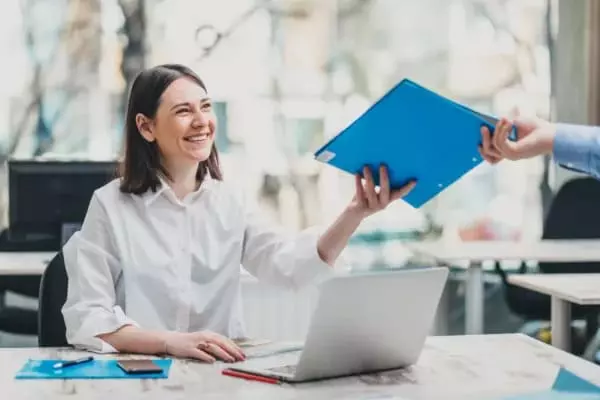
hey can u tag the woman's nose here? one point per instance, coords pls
(200, 119)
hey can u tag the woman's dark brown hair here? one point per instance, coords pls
(142, 166)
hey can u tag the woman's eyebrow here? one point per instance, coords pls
(185, 103)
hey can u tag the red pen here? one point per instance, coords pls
(251, 377)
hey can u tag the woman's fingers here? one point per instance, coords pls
(370, 189)
(229, 347)
(488, 158)
(219, 352)
(201, 355)
(384, 187)
(360, 190)
(487, 150)
(500, 137)
(403, 191)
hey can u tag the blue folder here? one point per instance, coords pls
(417, 134)
(566, 386)
(567, 381)
(96, 369)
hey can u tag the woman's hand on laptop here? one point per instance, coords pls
(204, 346)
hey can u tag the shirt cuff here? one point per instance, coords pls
(99, 346)
(572, 146)
(86, 337)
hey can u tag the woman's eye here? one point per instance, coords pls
(182, 111)
(207, 106)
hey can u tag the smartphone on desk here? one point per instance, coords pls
(139, 367)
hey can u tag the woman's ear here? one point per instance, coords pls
(144, 126)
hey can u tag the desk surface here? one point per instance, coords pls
(584, 250)
(454, 367)
(24, 263)
(576, 288)
(34, 263)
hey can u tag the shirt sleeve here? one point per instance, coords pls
(577, 148)
(285, 259)
(92, 270)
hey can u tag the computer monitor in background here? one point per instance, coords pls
(48, 200)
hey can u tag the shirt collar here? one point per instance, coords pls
(151, 196)
(165, 189)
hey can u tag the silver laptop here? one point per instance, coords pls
(362, 323)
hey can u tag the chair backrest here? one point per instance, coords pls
(53, 294)
(574, 214)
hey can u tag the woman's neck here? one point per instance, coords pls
(183, 179)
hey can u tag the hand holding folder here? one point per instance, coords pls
(367, 200)
(534, 137)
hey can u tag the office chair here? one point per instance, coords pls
(13, 319)
(52, 296)
(573, 214)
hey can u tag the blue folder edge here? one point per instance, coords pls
(485, 119)
(569, 382)
(96, 369)
(566, 386)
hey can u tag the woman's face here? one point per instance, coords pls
(184, 125)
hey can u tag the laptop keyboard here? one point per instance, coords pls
(286, 369)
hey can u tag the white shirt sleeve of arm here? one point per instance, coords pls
(289, 260)
(92, 270)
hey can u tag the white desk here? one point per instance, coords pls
(564, 289)
(24, 263)
(457, 367)
(480, 251)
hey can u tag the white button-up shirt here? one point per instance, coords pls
(161, 263)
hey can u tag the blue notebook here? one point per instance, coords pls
(96, 369)
(418, 134)
(555, 395)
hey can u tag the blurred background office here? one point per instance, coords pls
(286, 75)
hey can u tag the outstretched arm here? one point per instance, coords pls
(577, 147)
(299, 259)
(367, 201)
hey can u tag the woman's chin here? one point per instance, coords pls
(199, 155)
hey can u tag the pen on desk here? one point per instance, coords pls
(251, 377)
(68, 363)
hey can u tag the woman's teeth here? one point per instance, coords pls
(196, 138)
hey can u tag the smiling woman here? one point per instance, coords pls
(170, 137)
(155, 267)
